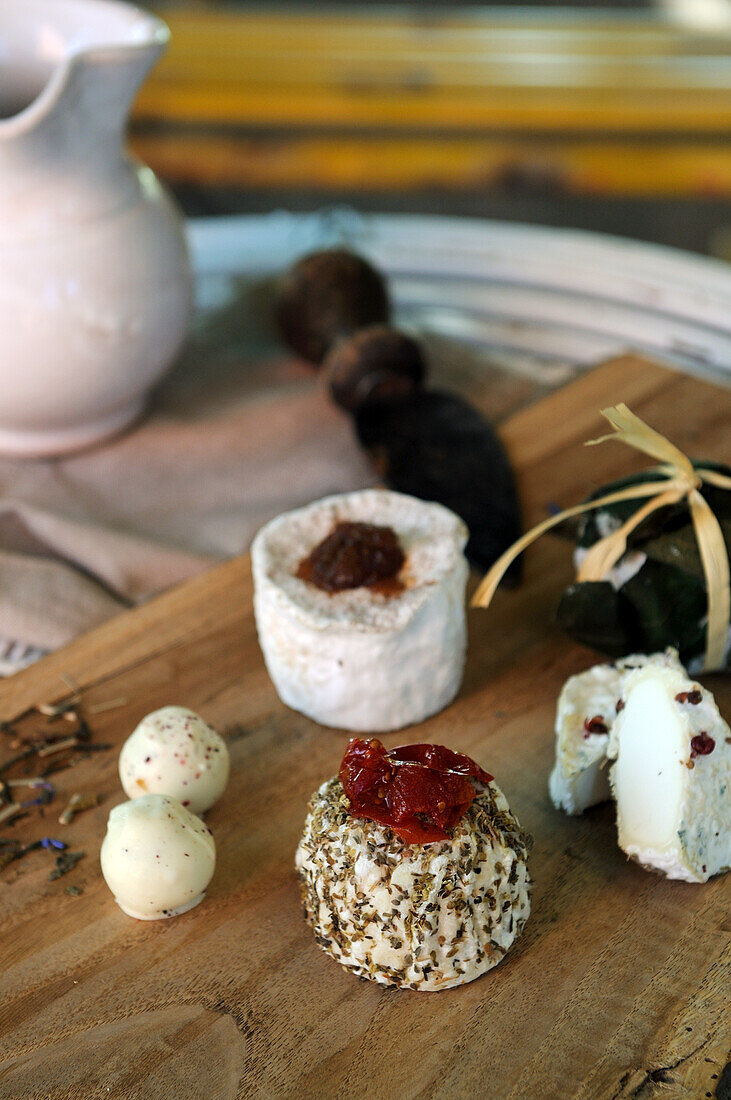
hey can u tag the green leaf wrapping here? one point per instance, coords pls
(665, 603)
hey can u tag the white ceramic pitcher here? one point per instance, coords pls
(95, 284)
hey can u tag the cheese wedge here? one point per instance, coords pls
(587, 708)
(671, 776)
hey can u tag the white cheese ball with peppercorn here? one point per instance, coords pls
(157, 857)
(671, 776)
(586, 711)
(174, 752)
(361, 658)
(418, 916)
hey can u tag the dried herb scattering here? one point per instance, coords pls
(77, 804)
(65, 863)
(66, 749)
(10, 810)
(59, 710)
(10, 850)
(8, 856)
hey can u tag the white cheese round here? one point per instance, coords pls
(157, 857)
(671, 776)
(421, 916)
(174, 752)
(356, 659)
(580, 777)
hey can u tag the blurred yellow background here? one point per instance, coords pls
(609, 118)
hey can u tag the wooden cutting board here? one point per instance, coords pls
(618, 988)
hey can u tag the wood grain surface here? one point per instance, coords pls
(619, 987)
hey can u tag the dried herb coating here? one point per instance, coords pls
(425, 917)
(436, 446)
(325, 296)
(664, 603)
(377, 363)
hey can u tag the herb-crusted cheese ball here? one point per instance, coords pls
(359, 648)
(587, 708)
(419, 916)
(157, 857)
(174, 752)
(671, 776)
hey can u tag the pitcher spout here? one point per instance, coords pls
(68, 55)
(70, 71)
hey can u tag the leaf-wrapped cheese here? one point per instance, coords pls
(655, 596)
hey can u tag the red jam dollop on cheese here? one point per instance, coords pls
(354, 555)
(419, 791)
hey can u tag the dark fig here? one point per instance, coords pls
(375, 364)
(436, 446)
(353, 555)
(325, 296)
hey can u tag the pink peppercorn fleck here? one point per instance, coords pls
(693, 697)
(701, 745)
(595, 725)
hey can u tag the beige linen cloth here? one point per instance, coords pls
(233, 437)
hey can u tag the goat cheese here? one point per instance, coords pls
(174, 752)
(157, 857)
(357, 659)
(418, 916)
(671, 776)
(586, 712)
